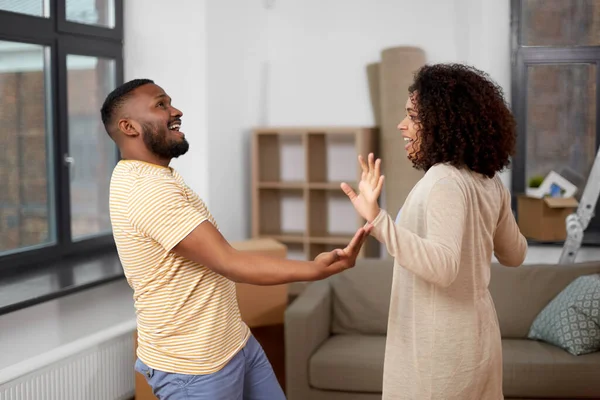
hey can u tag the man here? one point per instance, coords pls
(192, 343)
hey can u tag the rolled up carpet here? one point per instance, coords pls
(396, 71)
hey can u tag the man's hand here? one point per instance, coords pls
(369, 187)
(338, 260)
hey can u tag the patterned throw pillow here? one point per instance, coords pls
(571, 320)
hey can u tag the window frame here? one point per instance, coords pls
(93, 31)
(523, 56)
(62, 38)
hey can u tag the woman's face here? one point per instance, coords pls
(409, 128)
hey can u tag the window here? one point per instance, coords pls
(25, 145)
(38, 8)
(58, 61)
(89, 80)
(92, 12)
(555, 92)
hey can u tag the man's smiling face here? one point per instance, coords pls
(159, 121)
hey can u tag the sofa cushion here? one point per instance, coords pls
(528, 289)
(540, 370)
(361, 297)
(349, 363)
(571, 320)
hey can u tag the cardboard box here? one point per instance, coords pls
(262, 305)
(544, 219)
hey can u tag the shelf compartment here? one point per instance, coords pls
(332, 157)
(279, 157)
(331, 214)
(281, 213)
(296, 251)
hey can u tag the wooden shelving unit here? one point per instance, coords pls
(296, 195)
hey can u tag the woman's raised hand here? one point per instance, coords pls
(369, 188)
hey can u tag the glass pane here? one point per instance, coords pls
(94, 154)
(561, 121)
(26, 185)
(561, 23)
(92, 12)
(37, 8)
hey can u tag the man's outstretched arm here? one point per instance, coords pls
(158, 209)
(206, 246)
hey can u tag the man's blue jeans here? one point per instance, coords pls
(248, 376)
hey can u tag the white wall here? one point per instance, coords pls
(168, 45)
(236, 52)
(319, 51)
(231, 65)
(303, 63)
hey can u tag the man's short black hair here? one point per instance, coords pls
(117, 97)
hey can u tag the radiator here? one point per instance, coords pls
(97, 368)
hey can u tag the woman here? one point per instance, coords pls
(443, 339)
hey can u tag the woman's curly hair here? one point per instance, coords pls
(462, 119)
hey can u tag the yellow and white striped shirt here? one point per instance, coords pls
(187, 315)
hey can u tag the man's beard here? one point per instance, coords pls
(157, 142)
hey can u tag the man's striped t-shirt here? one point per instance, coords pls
(187, 315)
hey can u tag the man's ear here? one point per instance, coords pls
(128, 127)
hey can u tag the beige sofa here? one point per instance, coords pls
(335, 335)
